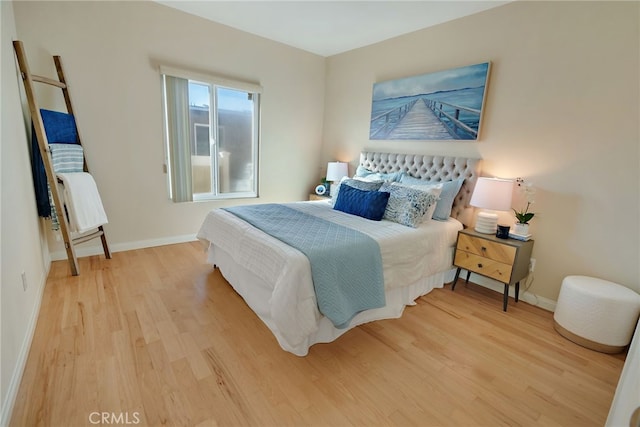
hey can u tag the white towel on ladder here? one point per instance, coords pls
(83, 201)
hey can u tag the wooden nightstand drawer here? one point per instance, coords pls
(313, 196)
(504, 260)
(482, 265)
(485, 248)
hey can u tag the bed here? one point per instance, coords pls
(277, 282)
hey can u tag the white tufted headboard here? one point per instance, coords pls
(432, 168)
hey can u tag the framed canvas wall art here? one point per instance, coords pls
(445, 105)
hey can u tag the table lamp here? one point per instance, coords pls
(335, 172)
(492, 194)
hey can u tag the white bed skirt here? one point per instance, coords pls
(257, 294)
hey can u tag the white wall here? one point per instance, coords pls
(111, 52)
(562, 112)
(22, 248)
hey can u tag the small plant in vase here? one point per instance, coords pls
(524, 216)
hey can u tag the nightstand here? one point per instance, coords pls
(314, 196)
(505, 260)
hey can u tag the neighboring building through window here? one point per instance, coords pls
(211, 133)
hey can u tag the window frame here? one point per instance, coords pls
(195, 132)
(214, 82)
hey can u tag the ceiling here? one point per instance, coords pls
(330, 27)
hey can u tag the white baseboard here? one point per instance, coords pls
(21, 362)
(528, 297)
(82, 251)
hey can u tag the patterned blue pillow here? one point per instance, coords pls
(355, 183)
(450, 190)
(367, 204)
(407, 205)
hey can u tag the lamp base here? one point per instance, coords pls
(486, 222)
(332, 188)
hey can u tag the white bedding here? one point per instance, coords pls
(275, 279)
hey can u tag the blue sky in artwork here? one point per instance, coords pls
(454, 79)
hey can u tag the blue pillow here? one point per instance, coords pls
(367, 204)
(450, 190)
(59, 127)
(355, 183)
(365, 173)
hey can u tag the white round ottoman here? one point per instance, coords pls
(596, 314)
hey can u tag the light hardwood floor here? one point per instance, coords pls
(156, 336)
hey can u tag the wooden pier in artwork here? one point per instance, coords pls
(423, 119)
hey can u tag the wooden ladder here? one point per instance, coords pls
(43, 144)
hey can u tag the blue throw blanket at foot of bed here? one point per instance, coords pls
(346, 265)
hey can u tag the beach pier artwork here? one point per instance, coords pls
(445, 105)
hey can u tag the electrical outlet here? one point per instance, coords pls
(24, 281)
(532, 265)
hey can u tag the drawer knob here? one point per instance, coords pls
(479, 265)
(483, 249)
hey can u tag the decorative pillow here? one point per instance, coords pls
(367, 204)
(360, 185)
(59, 127)
(435, 190)
(407, 206)
(450, 190)
(367, 175)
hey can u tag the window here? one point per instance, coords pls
(211, 134)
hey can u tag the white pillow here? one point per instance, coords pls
(436, 190)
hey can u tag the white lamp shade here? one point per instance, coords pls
(336, 171)
(492, 193)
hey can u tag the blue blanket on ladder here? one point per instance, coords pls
(346, 265)
(60, 128)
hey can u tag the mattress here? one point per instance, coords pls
(275, 279)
